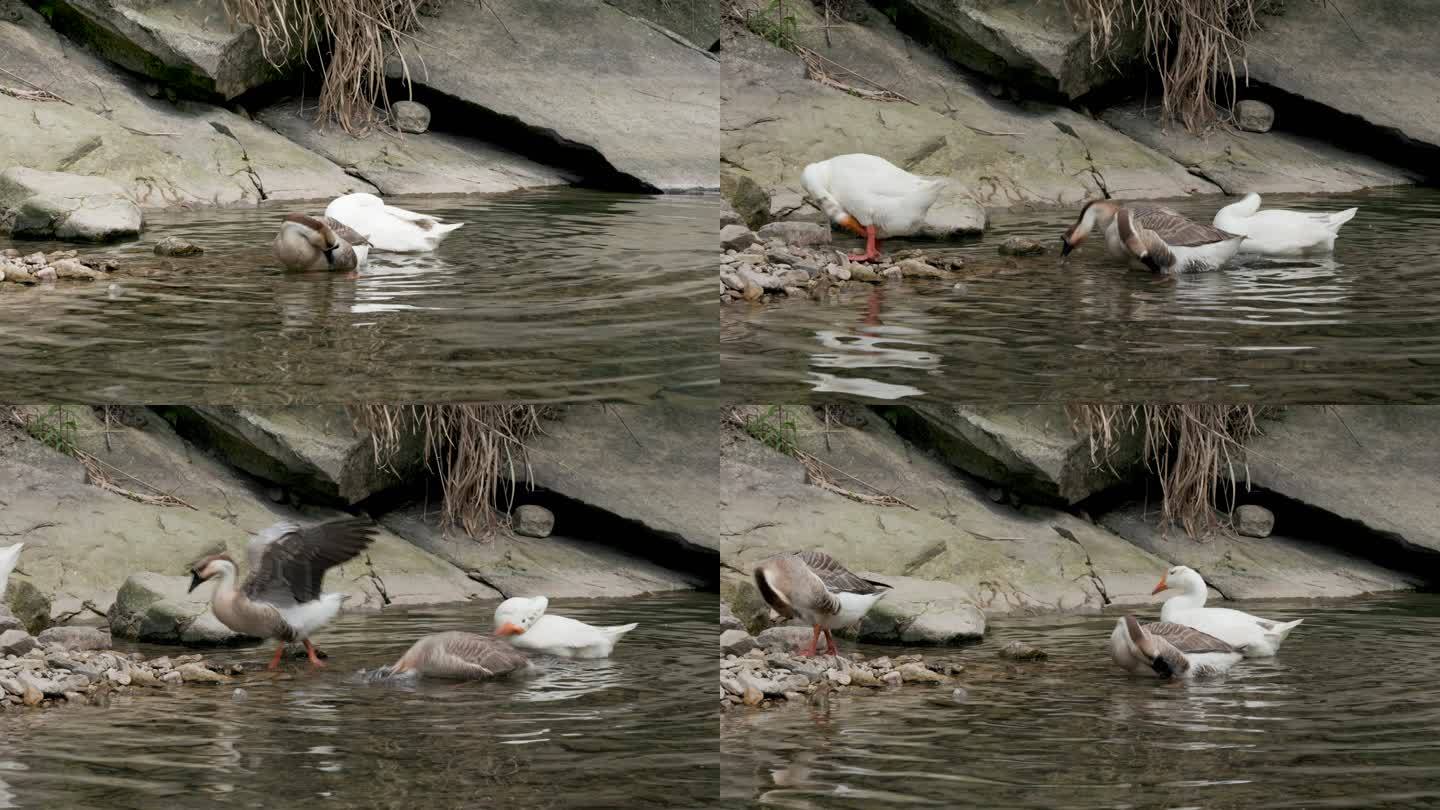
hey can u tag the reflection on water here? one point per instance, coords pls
(547, 295)
(630, 731)
(1363, 325)
(1344, 717)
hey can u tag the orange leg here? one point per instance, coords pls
(815, 639)
(310, 650)
(275, 662)
(830, 640)
(872, 247)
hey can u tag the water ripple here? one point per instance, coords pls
(1363, 325)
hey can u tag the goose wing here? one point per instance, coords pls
(288, 563)
(1176, 229)
(469, 655)
(1187, 639)
(346, 232)
(836, 577)
(424, 222)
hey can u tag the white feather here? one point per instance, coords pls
(872, 190)
(1281, 232)
(9, 556)
(1252, 635)
(308, 617)
(387, 227)
(556, 635)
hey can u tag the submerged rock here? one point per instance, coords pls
(1020, 246)
(175, 246)
(44, 204)
(1022, 651)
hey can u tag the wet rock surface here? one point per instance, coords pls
(772, 674)
(175, 246)
(40, 204)
(51, 674)
(58, 265)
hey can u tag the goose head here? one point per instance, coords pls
(518, 614)
(1181, 578)
(304, 243)
(1154, 650)
(208, 568)
(1095, 214)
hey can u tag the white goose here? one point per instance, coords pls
(1252, 635)
(1153, 237)
(282, 598)
(871, 197)
(9, 557)
(1169, 650)
(814, 587)
(525, 624)
(387, 227)
(1280, 232)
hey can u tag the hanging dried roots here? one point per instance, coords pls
(1197, 46)
(351, 37)
(474, 450)
(1197, 450)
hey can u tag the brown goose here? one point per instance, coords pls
(1153, 237)
(281, 597)
(1169, 650)
(813, 586)
(313, 243)
(459, 656)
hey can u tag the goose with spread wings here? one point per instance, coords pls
(1153, 237)
(281, 597)
(815, 587)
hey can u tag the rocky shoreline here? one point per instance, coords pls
(791, 259)
(69, 265)
(764, 671)
(113, 504)
(127, 106)
(75, 665)
(993, 511)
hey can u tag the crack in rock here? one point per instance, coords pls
(1094, 577)
(1093, 169)
(244, 156)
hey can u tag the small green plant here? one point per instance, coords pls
(774, 25)
(775, 429)
(56, 429)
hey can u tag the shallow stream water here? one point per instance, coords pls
(547, 295)
(635, 730)
(1345, 716)
(1361, 325)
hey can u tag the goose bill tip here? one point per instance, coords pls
(195, 581)
(1160, 587)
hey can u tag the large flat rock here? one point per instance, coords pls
(556, 566)
(428, 163)
(1249, 568)
(653, 464)
(1240, 162)
(1029, 44)
(83, 541)
(1374, 60)
(583, 75)
(1373, 464)
(316, 450)
(775, 120)
(191, 45)
(1005, 560)
(1032, 450)
(163, 154)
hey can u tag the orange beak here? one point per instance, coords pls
(1162, 586)
(508, 629)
